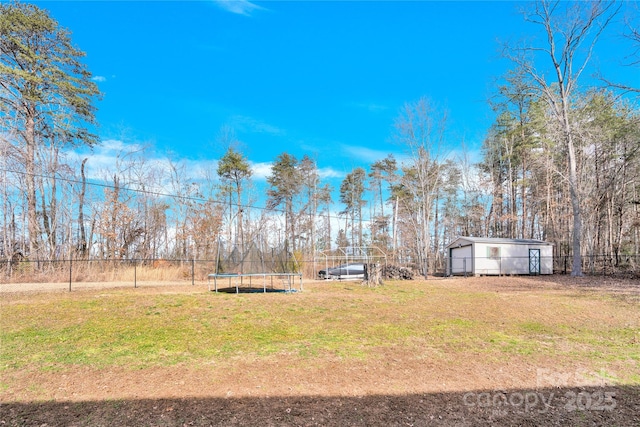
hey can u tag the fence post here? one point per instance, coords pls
(193, 271)
(135, 274)
(70, 272)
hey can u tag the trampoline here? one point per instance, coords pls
(244, 282)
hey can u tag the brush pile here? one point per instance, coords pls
(394, 272)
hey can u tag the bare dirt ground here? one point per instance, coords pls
(391, 389)
(436, 409)
(79, 286)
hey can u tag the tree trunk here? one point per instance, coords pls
(82, 244)
(576, 268)
(372, 274)
(29, 164)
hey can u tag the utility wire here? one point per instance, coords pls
(157, 193)
(137, 190)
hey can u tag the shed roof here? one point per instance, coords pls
(498, 241)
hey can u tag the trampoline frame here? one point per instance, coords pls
(240, 276)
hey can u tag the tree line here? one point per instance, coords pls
(560, 163)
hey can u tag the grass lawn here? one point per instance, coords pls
(333, 339)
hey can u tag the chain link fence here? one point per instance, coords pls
(69, 274)
(594, 265)
(25, 275)
(601, 265)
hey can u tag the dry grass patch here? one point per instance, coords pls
(335, 337)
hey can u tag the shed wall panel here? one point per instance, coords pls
(461, 260)
(487, 257)
(512, 259)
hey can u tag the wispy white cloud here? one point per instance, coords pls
(368, 155)
(369, 106)
(251, 125)
(116, 146)
(239, 7)
(105, 156)
(99, 79)
(136, 164)
(261, 170)
(329, 172)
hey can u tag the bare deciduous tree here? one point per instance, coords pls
(421, 129)
(571, 31)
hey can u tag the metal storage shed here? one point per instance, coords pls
(491, 256)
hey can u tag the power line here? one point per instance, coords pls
(138, 190)
(157, 193)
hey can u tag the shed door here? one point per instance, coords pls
(461, 260)
(534, 261)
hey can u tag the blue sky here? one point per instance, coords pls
(325, 78)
